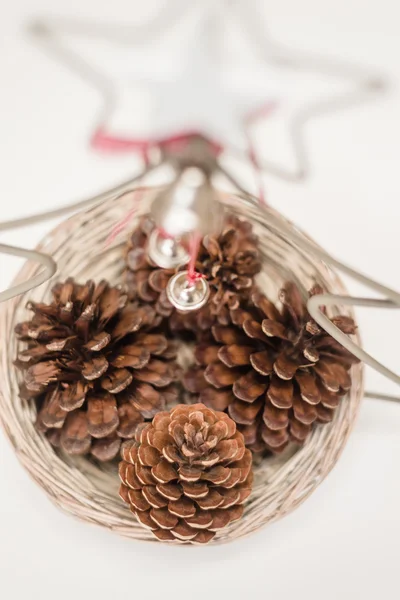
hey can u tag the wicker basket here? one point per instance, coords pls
(90, 492)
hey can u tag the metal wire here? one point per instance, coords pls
(50, 266)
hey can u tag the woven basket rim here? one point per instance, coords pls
(83, 490)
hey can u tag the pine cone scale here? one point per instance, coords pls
(235, 355)
(75, 437)
(40, 375)
(72, 396)
(308, 387)
(249, 387)
(262, 362)
(98, 342)
(244, 413)
(285, 367)
(116, 381)
(102, 415)
(105, 449)
(275, 418)
(303, 411)
(128, 420)
(94, 368)
(280, 392)
(52, 415)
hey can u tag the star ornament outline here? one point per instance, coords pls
(198, 98)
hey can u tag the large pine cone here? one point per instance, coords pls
(276, 372)
(229, 262)
(96, 366)
(187, 474)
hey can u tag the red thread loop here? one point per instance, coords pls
(194, 246)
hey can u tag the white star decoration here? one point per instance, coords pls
(149, 95)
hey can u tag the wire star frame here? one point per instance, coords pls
(363, 85)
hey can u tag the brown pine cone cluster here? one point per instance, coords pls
(276, 372)
(187, 474)
(96, 365)
(229, 261)
(102, 370)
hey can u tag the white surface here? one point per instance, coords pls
(343, 542)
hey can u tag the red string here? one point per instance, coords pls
(111, 143)
(120, 226)
(194, 247)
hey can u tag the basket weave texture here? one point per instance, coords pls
(89, 491)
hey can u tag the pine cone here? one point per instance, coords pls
(96, 366)
(228, 261)
(187, 474)
(275, 372)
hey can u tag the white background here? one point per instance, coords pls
(344, 541)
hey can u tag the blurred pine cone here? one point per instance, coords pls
(187, 474)
(96, 366)
(228, 261)
(275, 372)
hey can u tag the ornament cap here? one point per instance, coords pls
(165, 251)
(186, 294)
